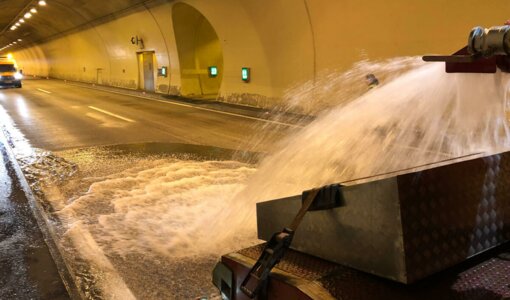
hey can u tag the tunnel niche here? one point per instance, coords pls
(198, 48)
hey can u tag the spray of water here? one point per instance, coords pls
(189, 208)
(162, 209)
(423, 116)
(333, 88)
(185, 208)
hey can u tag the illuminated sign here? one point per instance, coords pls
(213, 71)
(245, 74)
(163, 72)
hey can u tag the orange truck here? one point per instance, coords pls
(10, 76)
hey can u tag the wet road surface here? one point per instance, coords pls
(27, 270)
(54, 115)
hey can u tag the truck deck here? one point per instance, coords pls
(301, 276)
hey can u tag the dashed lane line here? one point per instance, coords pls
(192, 106)
(44, 91)
(224, 112)
(111, 114)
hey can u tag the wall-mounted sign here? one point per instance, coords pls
(245, 74)
(135, 40)
(213, 71)
(163, 71)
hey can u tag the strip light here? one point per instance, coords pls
(21, 21)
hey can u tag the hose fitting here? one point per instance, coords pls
(489, 42)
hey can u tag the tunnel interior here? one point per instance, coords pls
(149, 166)
(198, 47)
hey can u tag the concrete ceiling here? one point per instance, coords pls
(57, 17)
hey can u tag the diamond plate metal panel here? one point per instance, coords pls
(453, 212)
(486, 277)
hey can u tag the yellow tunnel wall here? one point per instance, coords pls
(284, 42)
(198, 48)
(376, 29)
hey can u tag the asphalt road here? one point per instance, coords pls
(54, 115)
(27, 270)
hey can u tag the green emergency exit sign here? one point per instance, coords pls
(213, 71)
(245, 74)
(163, 71)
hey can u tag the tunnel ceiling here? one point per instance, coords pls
(57, 17)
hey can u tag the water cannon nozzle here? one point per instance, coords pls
(488, 42)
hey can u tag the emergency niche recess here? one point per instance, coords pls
(245, 74)
(213, 71)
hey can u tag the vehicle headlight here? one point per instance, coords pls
(18, 76)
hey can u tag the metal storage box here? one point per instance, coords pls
(406, 226)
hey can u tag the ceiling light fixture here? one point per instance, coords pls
(27, 15)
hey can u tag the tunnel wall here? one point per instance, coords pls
(198, 47)
(34, 60)
(284, 42)
(346, 31)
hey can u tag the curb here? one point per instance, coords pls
(246, 111)
(38, 213)
(152, 97)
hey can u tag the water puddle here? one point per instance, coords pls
(141, 213)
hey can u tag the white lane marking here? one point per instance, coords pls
(111, 114)
(192, 106)
(224, 112)
(44, 91)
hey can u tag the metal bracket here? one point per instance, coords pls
(223, 279)
(464, 62)
(326, 197)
